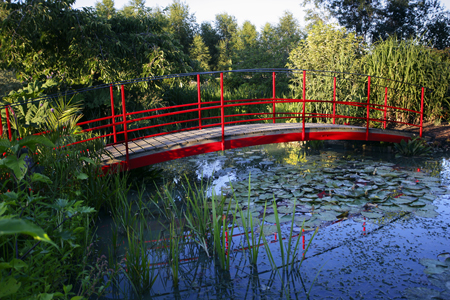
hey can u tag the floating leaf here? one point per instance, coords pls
(371, 215)
(420, 293)
(326, 216)
(267, 229)
(426, 213)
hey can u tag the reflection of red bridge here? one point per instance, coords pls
(141, 138)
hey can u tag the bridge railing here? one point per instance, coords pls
(338, 97)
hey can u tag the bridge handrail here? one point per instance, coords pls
(126, 118)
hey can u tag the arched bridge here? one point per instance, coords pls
(322, 106)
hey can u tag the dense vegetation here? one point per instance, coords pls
(51, 194)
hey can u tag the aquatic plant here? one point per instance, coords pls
(172, 246)
(198, 214)
(249, 228)
(138, 261)
(414, 147)
(222, 231)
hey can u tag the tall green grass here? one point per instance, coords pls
(407, 61)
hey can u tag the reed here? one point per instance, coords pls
(287, 250)
(253, 241)
(408, 61)
(198, 215)
(222, 233)
(172, 246)
(138, 261)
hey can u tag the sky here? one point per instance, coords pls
(258, 12)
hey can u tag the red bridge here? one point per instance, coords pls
(140, 138)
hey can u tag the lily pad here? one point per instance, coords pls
(267, 229)
(420, 293)
(371, 215)
(426, 213)
(271, 218)
(285, 209)
(326, 216)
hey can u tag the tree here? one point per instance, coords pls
(375, 19)
(77, 47)
(245, 54)
(328, 48)
(223, 60)
(288, 32)
(226, 26)
(105, 8)
(211, 39)
(135, 8)
(181, 24)
(199, 52)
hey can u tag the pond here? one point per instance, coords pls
(383, 227)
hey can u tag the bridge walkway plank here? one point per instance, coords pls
(179, 140)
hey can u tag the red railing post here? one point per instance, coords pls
(124, 118)
(1, 126)
(421, 111)
(273, 97)
(385, 105)
(113, 113)
(199, 96)
(304, 103)
(8, 123)
(222, 112)
(334, 99)
(368, 108)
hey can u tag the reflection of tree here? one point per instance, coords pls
(390, 217)
(295, 153)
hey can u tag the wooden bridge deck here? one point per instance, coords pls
(258, 133)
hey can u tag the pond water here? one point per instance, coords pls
(383, 224)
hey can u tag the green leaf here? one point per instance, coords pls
(37, 177)
(14, 226)
(18, 264)
(88, 160)
(32, 140)
(4, 145)
(45, 296)
(17, 165)
(82, 176)
(78, 230)
(9, 287)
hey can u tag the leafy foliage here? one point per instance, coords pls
(327, 48)
(375, 20)
(414, 147)
(200, 53)
(408, 61)
(80, 47)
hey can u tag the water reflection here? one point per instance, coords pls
(352, 257)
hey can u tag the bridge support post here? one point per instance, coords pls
(304, 103)
(222, 117)
(368, 108)
(334, 99)
(385, 106)
(1, 126)
(421, 111)
(199, 97)
(124, 118)
(113, 113)
(273, 97)
(8, 123)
